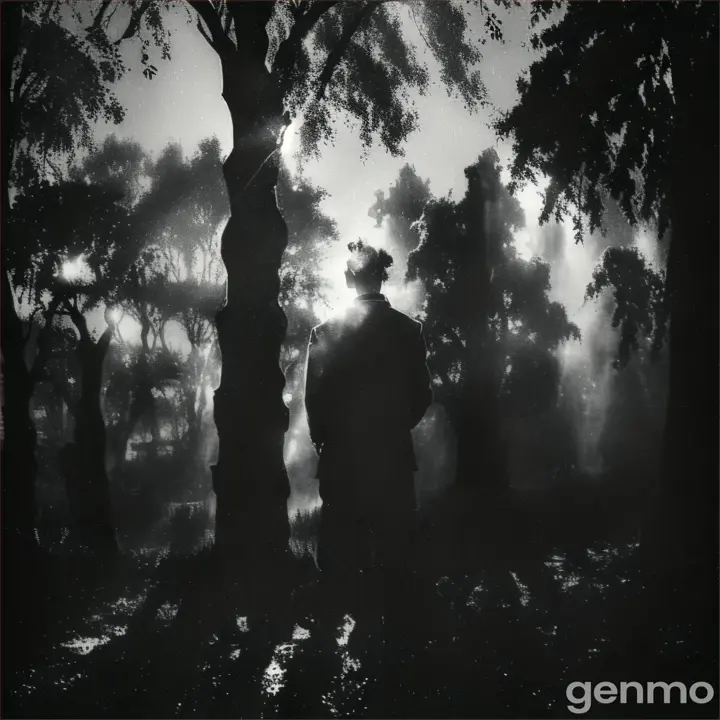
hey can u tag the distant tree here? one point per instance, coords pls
(403, 206)
(491, 327)
(54, 72)
(302, 289)
(72, 261)
(189, 267)
(645, 132)
(47, 72)
(280, 61)
(117, 165)
(86, 261)
(637, 298)
(640, 300)
(303, 292)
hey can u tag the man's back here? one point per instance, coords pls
(367, 387)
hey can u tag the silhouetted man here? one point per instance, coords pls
(367, 387)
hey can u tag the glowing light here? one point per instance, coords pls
(292, 450)
(523, 244)
(289, 141)
(74, 270)
(339, 297)
(116, 314)
(531, 200)
(648, 246)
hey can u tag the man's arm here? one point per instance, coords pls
(421, 394)
(314, 400)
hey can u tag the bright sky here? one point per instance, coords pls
(183, 103)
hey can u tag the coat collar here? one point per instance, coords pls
(372, 297)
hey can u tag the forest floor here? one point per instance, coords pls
(157, 635)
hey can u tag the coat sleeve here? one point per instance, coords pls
(421, 394)
(314, 392)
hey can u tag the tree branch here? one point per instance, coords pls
(28, 83)
(49, 7)
(97, 22)
(23, 74)
(30, 321)
(43, 343)
(218, 39)
(338, 52)
(287, 52)
(204, 33)
(104, 342)
(228, 22)
(417, 25)
(78, 319)
(135, 17)
(69, 400)
(251, 19)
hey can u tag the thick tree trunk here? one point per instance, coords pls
(193, 437)
(250, 479)
(19, 468)
(88, 483)
(481, 459)
(685, 531)
(19, 465)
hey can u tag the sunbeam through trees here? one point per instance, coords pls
(359, 359)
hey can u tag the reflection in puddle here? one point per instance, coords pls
(167, 612)
(127, 605)
(524, 591)
(273, 678)
(70, 681)
(566, 579)
(84, 646)
(346, 695)
(300, 633)
(570, 580)
(476, 596)
(347, 628)
(350, 663)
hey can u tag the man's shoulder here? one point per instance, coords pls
(405, 320)
(388, 315)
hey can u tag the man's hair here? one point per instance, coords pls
(367, 262)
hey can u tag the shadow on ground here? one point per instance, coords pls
(501, 618)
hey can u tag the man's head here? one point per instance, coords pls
(367, 267)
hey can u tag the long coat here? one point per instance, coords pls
(367, 387)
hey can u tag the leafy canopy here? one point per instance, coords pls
(608, 130)
(524, 325)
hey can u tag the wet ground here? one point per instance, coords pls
(157, 635)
